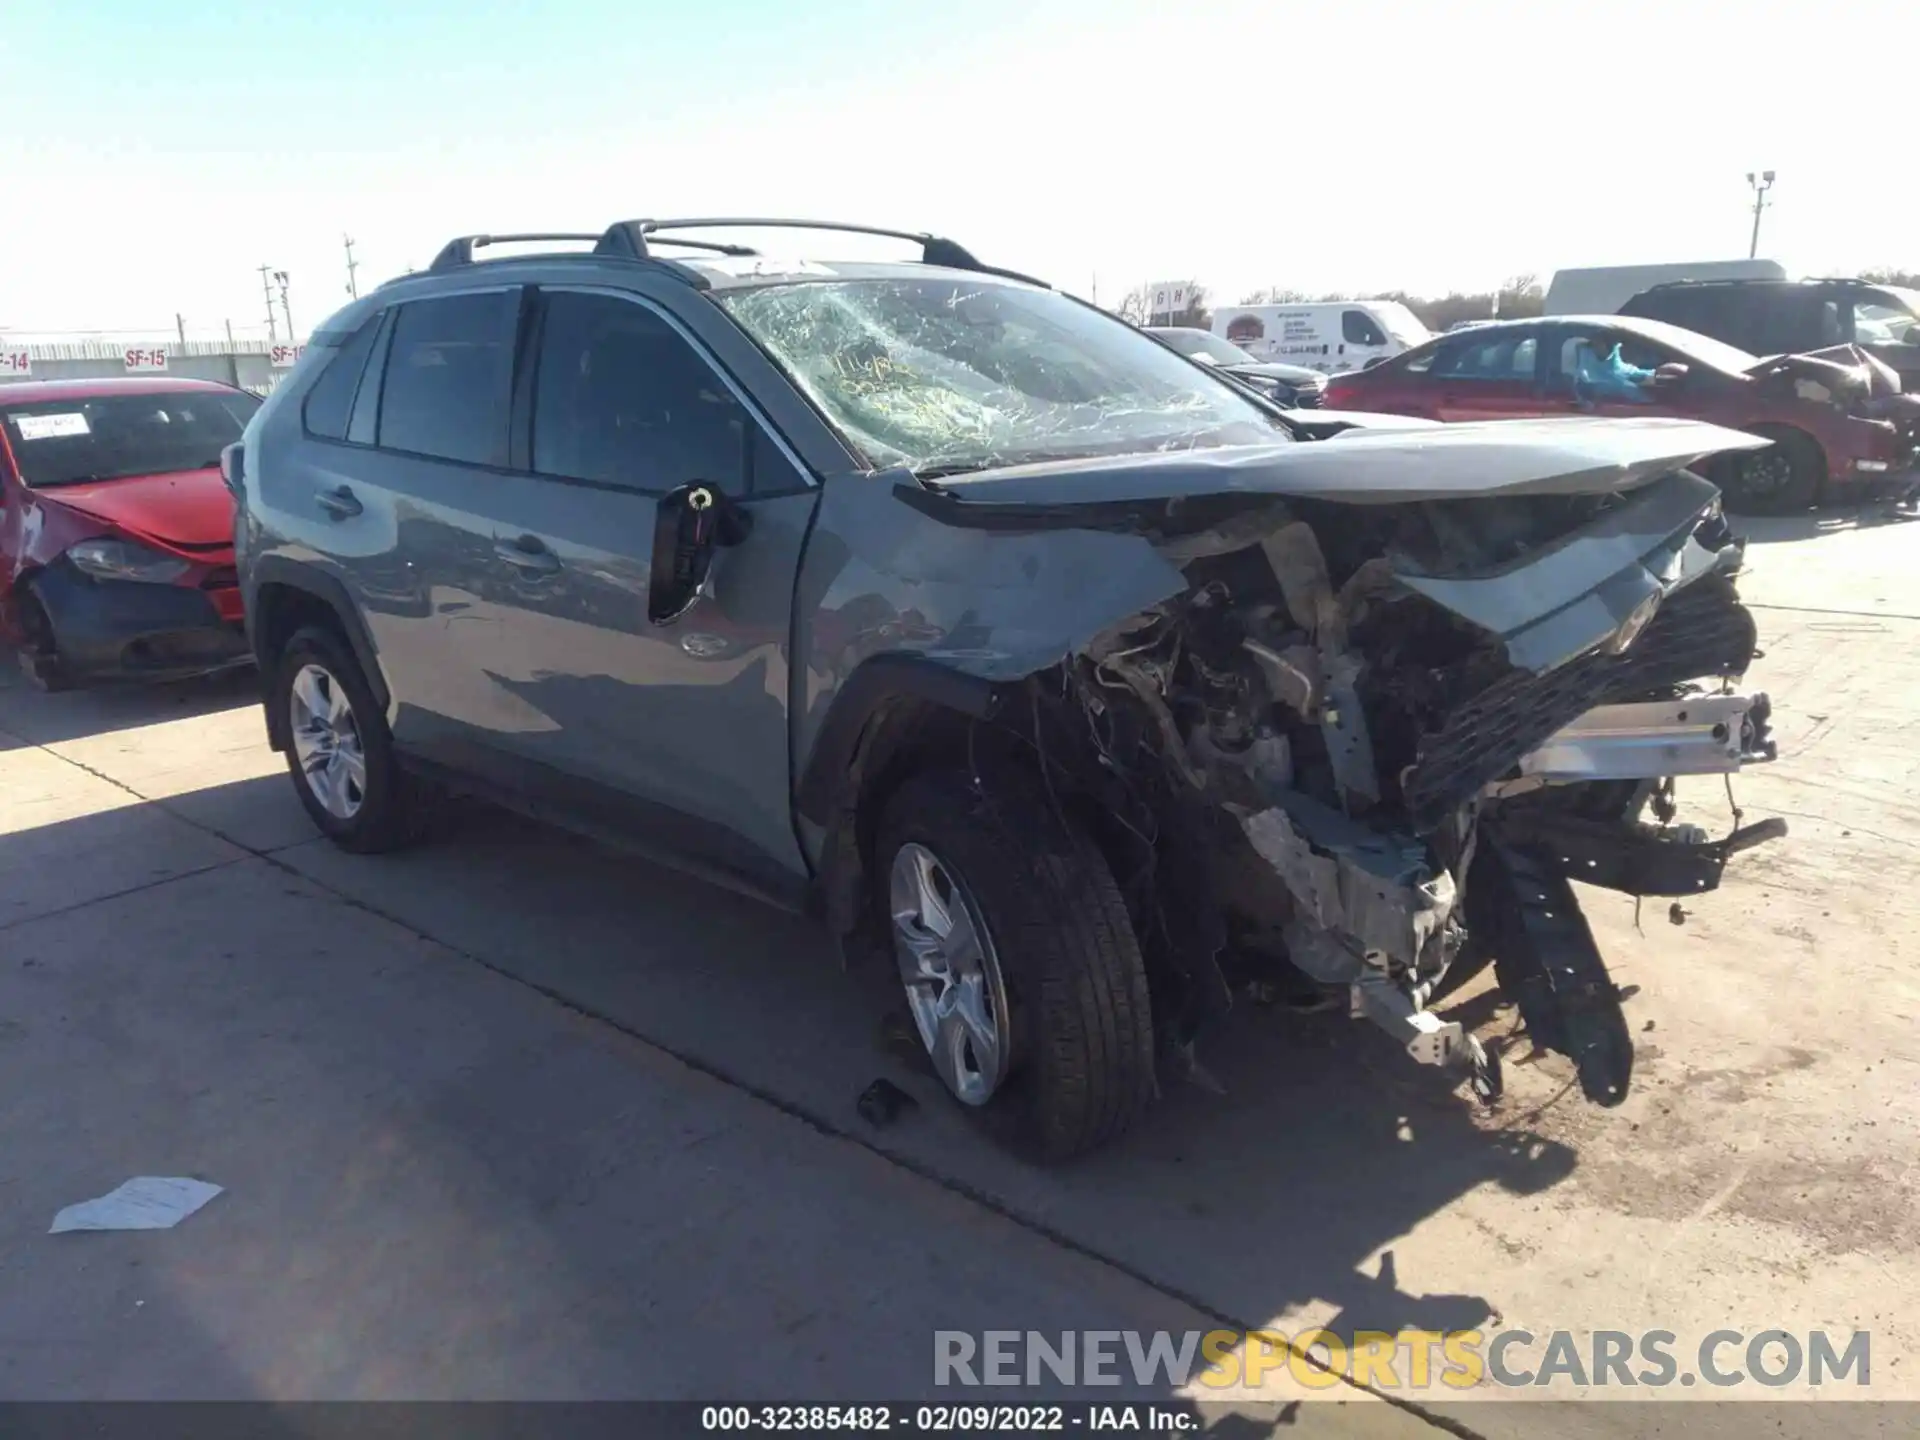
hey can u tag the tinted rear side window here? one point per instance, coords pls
(330, 401)
(621, 398)
(448, 378)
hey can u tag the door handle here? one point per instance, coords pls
(339, 502)
(529, 553)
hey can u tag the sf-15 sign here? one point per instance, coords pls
(285, 357)
(147, 358)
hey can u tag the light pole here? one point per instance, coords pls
(266, 288)
(280, 279)
(1761, 183)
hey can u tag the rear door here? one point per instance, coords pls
(1489, 376)
(400, 498)
(677, 729)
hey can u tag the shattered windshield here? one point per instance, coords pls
(944, 375)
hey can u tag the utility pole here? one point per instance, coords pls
(266, 288)
(280, 279)
(1761, 183)
(180, 326)
(353, 286)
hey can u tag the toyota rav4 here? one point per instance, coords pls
(1076, 688)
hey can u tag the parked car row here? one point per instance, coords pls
(1838, 422)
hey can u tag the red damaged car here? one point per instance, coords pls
(116, 529)
(1840, 423)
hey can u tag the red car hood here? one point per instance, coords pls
(190, 509)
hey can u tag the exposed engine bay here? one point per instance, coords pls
(1370, 746)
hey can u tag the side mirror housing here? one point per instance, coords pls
(1670, 376)
(689, 524)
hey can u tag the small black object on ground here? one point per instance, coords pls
(883, 1102)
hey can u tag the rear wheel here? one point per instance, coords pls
(1783, 479)
(1020, 966)
(339, 751)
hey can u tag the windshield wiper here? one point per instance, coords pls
(941, 469)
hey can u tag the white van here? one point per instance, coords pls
(1603, 290)
(1329, 336)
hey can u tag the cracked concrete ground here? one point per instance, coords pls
(512, 1115)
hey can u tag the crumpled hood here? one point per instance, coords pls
(1570, 456)
(188, 508)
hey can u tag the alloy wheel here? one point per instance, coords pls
(326, 742)
(951, 974)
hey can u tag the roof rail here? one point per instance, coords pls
(631, 238)
(459, 250)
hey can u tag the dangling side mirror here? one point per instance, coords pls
(689, 524)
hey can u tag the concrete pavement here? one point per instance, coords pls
(1760, 1175)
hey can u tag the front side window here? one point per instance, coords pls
(945, 375)
(620, 397)
(448, 376)
(1357, 328)
(112, 437)
(1878, 323)
(1605, 365)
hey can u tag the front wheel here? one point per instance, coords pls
(339, 751)
(1783, 479)
(1020, 965)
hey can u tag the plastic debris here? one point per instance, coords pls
(146, 1202)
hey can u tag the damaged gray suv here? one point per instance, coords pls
(1074, 686)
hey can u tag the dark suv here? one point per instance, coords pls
(1783, 317)
(1073, 686)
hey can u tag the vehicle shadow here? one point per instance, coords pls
(1278, 1182)
(438, 1184)
(49, 719)
(1286, 1182)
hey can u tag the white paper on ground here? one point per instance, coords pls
(146, 1202)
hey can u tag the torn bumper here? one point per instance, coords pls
(108, 629)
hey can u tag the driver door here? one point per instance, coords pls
(677, 728)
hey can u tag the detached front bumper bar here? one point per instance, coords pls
(1651, 740)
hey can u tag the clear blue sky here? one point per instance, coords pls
(154, 152)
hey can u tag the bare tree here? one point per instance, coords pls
(1887, 275)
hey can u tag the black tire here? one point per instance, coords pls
(1080, 1025)
(39, 652)
(389, 812)
(1781, 480)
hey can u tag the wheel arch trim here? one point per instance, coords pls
(282, 573)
